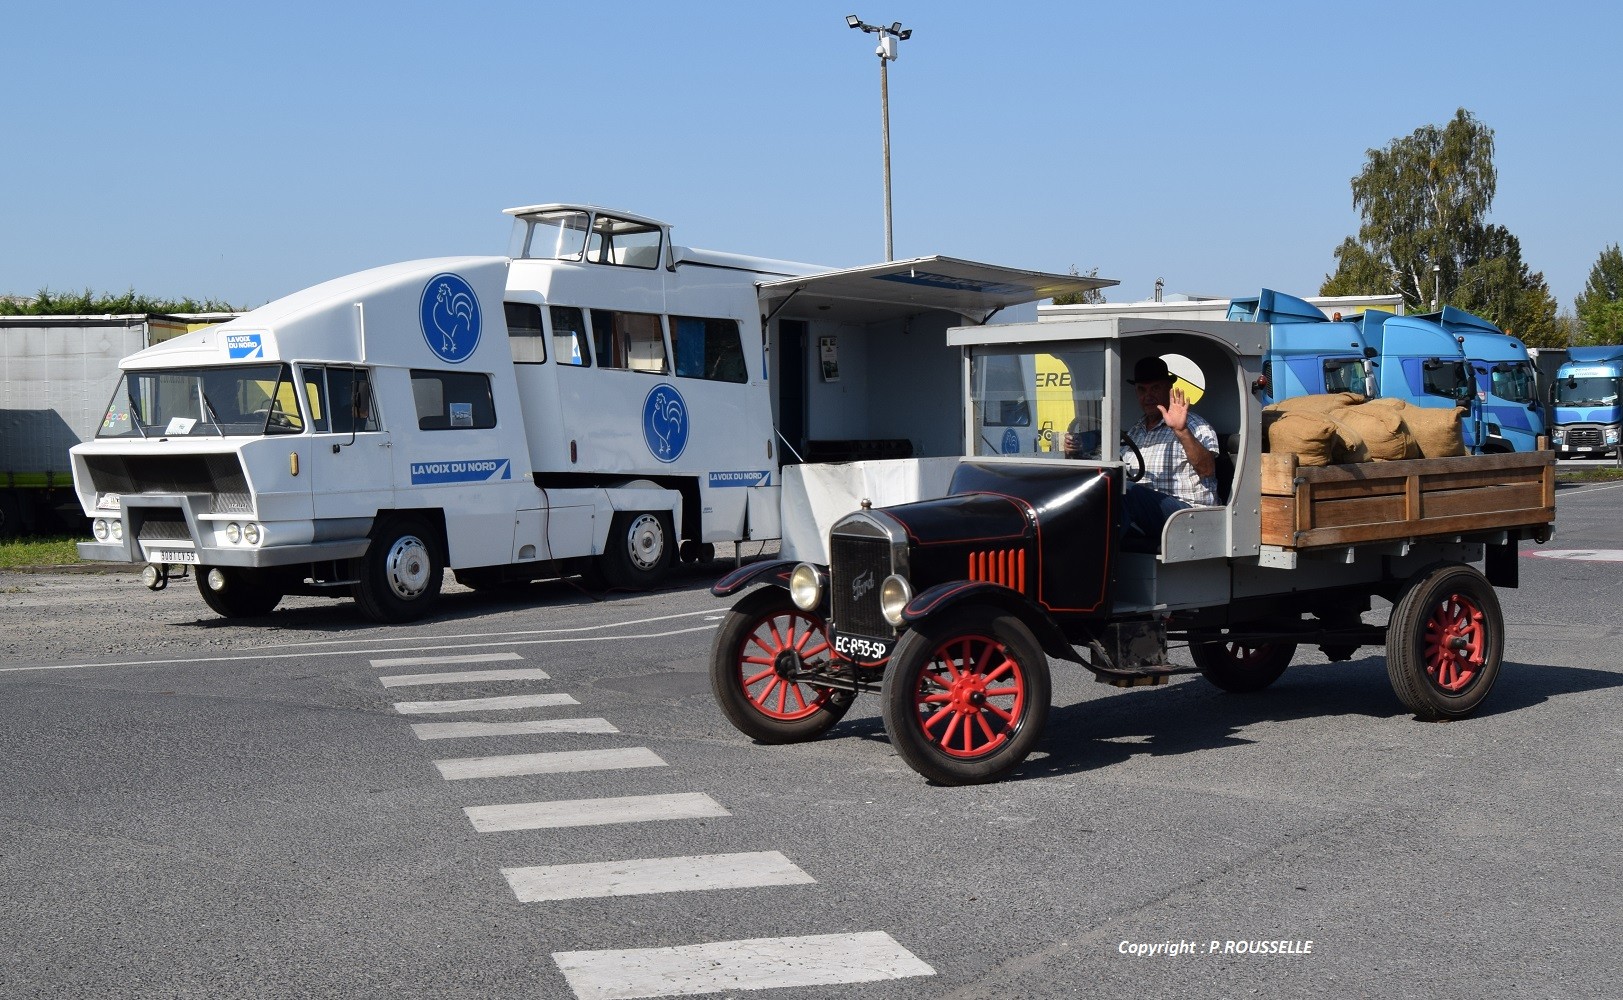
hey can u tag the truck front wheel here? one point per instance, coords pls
(763, 644)
(1240, 667)
(966, 699)
(233, 592)
(400, 575)
(638, 553)
(1444, 642)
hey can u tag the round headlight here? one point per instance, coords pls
(100, 529)
(894, 594)
(250, 531)
(233, 532)
(806, 586)
(118, 530)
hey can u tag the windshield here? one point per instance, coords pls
(1513, 381)
(559, 235)
(204, 402)
(1588, 391)
(1025, 401)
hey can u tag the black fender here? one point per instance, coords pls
(944, 596)
(775, 572)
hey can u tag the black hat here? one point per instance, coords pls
(1150, 370)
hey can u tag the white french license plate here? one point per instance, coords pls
(173, 556)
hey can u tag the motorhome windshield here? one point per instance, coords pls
(1025, 399)
(1592, 390)
(557, 235)
(238, 400)
(572, 234)
(1513, 381)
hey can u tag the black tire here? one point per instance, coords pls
(1444, 642)
(761, 634)
(400, 575)
(638, 553)
(246, 594)
(937, 693)
(1236, 667)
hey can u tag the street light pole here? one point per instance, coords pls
(889, 36)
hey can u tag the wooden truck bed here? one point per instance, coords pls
(1306, 507)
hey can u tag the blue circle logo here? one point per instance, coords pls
(1011, 442)
(665, 422)
(449, 312)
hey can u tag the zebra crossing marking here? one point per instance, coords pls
(501, 703)
(646, 876)
(592, 812)
(754, 964)
(554, 762)
(460, 730)
(415, 661)
(465, 677)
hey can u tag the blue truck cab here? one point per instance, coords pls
(1505, 380)
(1585, 397)
(1307, 353)
(1422, 364)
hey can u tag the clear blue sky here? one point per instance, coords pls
(242, 151)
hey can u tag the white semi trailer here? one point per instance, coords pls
(598, 402)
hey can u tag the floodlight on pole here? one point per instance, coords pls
(889, 37)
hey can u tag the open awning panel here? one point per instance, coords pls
(898, 289)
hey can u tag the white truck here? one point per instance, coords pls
(597, 402)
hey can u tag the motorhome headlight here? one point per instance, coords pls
(233, 532)
(894, 594)
(118, 530)
(806, 586)
(251, 533)
(101, 530)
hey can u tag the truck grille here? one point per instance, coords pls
(1583, 437)
(220, 476)
(858, 564)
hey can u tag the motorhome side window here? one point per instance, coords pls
(340, 400)
(525, 336)
(452, 400)
(708, 348)
(569, 337)
(628, 340)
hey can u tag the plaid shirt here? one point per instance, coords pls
(1167, 468)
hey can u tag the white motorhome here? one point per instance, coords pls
(597, 402)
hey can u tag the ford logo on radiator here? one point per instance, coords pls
(861, 585)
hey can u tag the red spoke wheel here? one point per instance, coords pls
(763, 644)
(1444, 642)
(966, 697)
(1239, 667)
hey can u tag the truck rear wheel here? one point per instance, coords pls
(1239, 667)
(966, 697)
(638, 553)
(400, 575)
(763, 639)
(1444, 642)
(240, 593)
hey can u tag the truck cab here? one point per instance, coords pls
(1511, 417)
(1586, 398)
(1307, 353)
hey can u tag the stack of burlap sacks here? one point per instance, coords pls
(1340, 427)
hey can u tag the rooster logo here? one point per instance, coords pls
(665, 423)
(449, 314)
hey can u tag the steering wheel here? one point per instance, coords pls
(274, 416)
(1133, 474)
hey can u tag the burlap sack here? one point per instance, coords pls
(1439, 433)
(1311, 437)
(1386, 436)
(1391, 401)
(1320, 403)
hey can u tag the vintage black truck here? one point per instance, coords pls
(950, 608)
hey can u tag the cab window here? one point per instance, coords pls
(569, 337)
(623, 242)
(452, 400)
(525, 336)
(708, 349)
(629, 340)
(340, 400)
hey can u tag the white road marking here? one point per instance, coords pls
(726, 966)
(412, 661)
(592, 812)
(465, 677)
(459, 730)
(556, 762)
(483, 704)
(499, 635)
(1577, 555)
(306, 654)
(653, 875)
